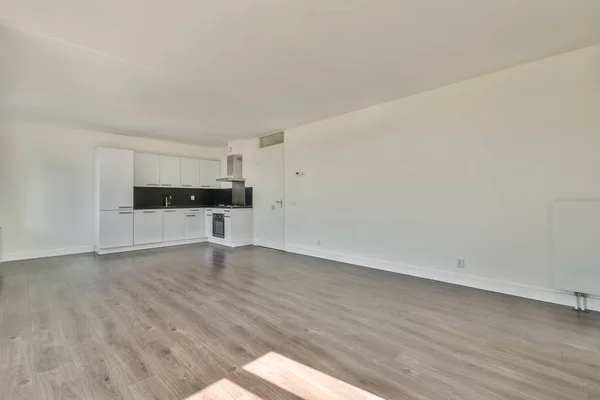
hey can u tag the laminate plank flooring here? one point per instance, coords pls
(194, 320)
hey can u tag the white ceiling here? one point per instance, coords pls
(208, 71)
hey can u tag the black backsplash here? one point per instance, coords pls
(155, 197)
(225, 196)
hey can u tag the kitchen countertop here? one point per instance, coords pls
(186, 207)
(229, 207)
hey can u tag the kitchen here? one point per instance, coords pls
(147, 201)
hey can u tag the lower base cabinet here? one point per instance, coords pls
(194, 225)
(115, 229)
(173, 225)
(147, 226)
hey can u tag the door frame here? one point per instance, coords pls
(257, 238)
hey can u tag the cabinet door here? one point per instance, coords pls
(115, 229)
(173, 225)
(114, 174)
(194, 225)
(208, 223)
(190, 173)
(147, 167)
(147, 226)
(209, 172)
(227, 226)
(170, 171)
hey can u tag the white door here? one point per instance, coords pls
(268, 198)
(115, 178)
(147, 167)
(170, 171)
(209, 172)
(173, 225)
(115, 229)
(190, 173)
(147, 226)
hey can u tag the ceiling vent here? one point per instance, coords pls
(271, 140)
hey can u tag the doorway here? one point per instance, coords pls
(269, 202)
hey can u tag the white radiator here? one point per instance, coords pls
(575, 245)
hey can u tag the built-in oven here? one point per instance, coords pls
(218, 230)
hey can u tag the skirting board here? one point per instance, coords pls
(26, 255)
(513, 289)
(149, 246)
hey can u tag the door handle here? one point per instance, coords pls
(280, 202)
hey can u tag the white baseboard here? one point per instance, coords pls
(25, 255)
(148, 246)
(530, 292)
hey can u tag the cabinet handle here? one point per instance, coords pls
(148, 212)
(205, 186)
(151, 184)
(170, 210)
(165, 184)
(191, 215)
(227, 211)
(125, 212)
(125, 207)
(186, 185)
(194, 210)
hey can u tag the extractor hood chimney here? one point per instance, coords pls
(234, 169)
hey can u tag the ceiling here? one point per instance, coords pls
(208, 71)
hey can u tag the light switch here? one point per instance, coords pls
(192, 197)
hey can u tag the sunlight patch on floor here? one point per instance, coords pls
(224, 390)
(289, 375)
(303, 381)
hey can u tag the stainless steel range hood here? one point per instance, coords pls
(234, 175)
(234, 169)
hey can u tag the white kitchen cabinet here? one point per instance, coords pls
(114, 179)
(115, 229)
(147, 226)
(194, 224)
(209, 172)
(170, 171)
(227, 225)
(147, 170)
(208, 223)
(173, 227)
(190, 173)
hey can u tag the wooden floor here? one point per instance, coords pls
(169, 323)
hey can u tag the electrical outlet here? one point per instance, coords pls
(460, 263)
(192, 197)
(319, 242)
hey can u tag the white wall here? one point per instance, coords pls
(47, 184)
(468, 170)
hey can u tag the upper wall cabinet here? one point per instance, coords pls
(170, 171)
(114, 179)
(209, 172)
(147, 167)
(190, 173)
